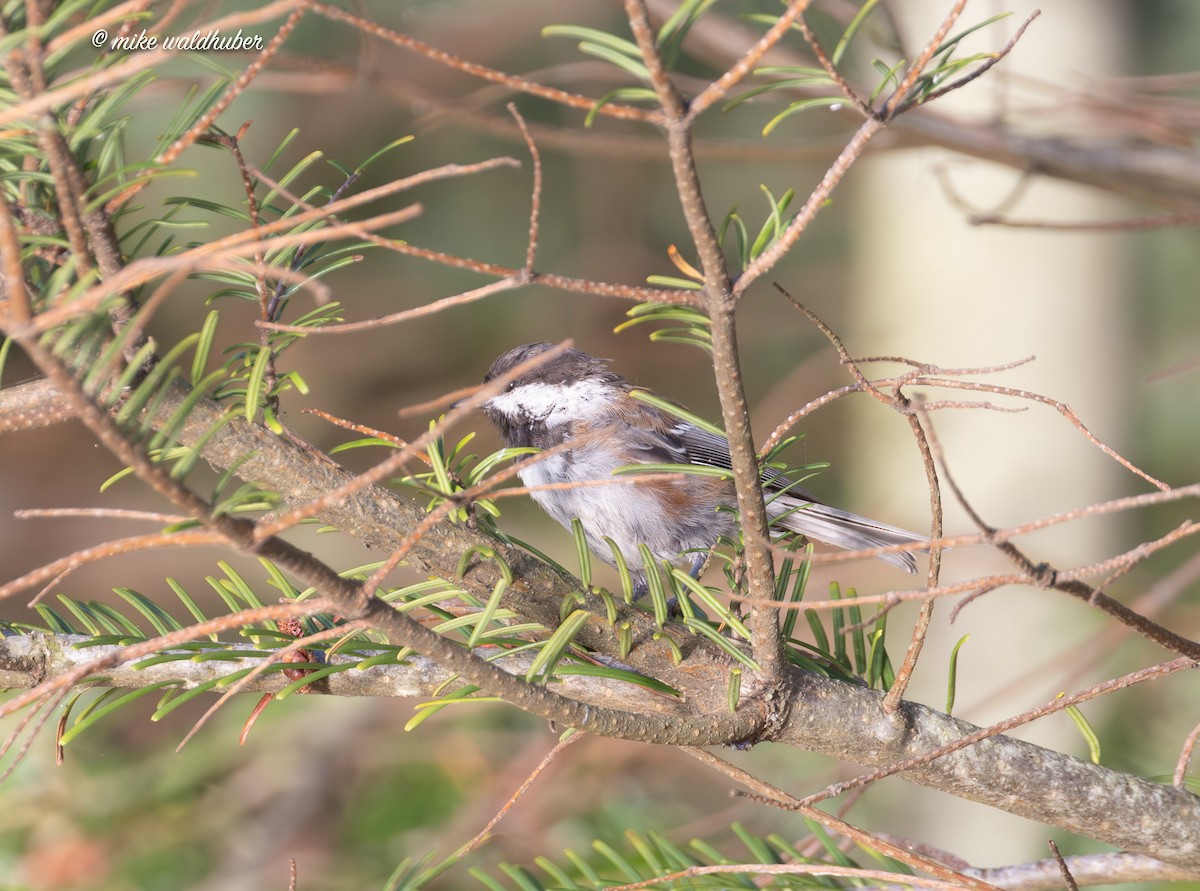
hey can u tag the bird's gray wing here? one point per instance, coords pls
(651, 445)
(704, 447)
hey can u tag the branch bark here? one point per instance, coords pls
(27, 660)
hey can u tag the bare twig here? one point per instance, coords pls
(901, 404)
(561, 97)
(789, 869)
(719, 88)
(836, 76)
(535, 201)
(1063, 869)
(764, 790)
(483, 833)
(181, 538)
(921, 627)
(99, 513)
(1185, 756)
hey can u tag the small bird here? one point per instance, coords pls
(576, 397)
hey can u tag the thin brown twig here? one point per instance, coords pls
(49, 586)
(483, 833)
(869, 840)
(945, 404)
(25, 721)
(97, 513)
(405, 315)
(825, 62)
(1067, 412)
(921, 627)
(181, 538)
(1063, 869)
(931, 376)
(789, 869)
(1069, 581)
(894, 104)
(1130, 224)
(927, 368)
(920, 376)
(891, 701)
(738, 71)
(1115, 505)
(358, 428)
(446, 400)
(519, 84)
(1185, 757)
(535, 201)
(38, 717)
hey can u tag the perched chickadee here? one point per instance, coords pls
(575, 397)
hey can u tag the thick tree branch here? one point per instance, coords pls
(27, 660)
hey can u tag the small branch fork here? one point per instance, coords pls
(918, 417)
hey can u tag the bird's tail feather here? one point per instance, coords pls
(844, 529)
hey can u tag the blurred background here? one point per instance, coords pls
(892, 264)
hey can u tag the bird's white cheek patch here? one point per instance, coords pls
(555, 403)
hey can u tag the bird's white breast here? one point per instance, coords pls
(626, 513)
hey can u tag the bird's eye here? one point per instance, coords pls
(512, 385)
